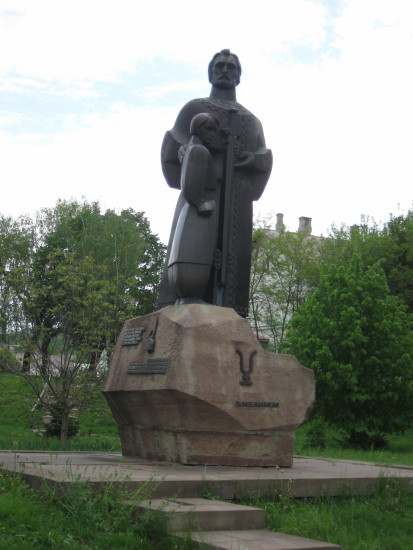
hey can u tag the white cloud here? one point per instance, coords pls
(113, 159)
(99, 39)
(340, 126)
(160, 91)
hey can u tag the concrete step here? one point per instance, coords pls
(200, 514)
(256, 540)
(218, 525)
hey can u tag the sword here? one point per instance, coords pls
(226, 203)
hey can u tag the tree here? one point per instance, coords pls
(122, 243)
(77, 311)
(398, 261)
(83, 274)
(392, 246)
(17, 240)
(283, 271)
(358, 339)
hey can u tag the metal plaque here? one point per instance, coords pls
(270, 404)
(133, 336)
(152, 366)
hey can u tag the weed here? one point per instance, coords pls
(78, 518)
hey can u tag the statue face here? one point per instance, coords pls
(225, 73)
(207, 132)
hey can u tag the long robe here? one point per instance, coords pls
(249, 180)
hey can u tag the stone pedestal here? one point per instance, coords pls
(191, 384)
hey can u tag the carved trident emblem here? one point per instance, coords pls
(246, 374)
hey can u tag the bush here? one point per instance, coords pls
(358, 340)
(315, 436)
(8, 361)
(53, 428)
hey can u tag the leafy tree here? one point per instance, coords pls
(122, 243)
(283, 270)
(76, 313)
(17, 240)
(68, 281)
(398, 260)
(392, 246)
(365, 239)
(358, 339)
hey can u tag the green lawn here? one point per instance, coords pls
(78, 520)
(381, 522)
(98, 431)
(398, 451)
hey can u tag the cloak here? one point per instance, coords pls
(252, 168)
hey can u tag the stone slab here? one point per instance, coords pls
(308, 477)
(202, 514)
(256, 540)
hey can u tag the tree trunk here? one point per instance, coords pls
(45, 356)
(26, 362)
(94, 361)
(64, 429)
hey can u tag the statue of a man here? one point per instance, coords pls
(241, 165)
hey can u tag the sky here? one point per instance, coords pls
(89, 87)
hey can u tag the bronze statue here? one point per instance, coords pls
(219, 173)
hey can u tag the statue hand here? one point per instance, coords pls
(181, 153)
(206, 208)
(244, 159)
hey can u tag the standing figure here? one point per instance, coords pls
(194, 241)
(242, 165)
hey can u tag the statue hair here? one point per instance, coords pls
(199, 120)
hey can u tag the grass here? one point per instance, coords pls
(98, 430)
(80, 520)
(383, 521)
(399, 449)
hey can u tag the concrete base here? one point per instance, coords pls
(309, 477)
(212, 448)
(191, 384)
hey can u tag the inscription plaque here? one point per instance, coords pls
(270, 404)
(152, 366)
(133, 336)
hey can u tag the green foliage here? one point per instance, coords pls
(392, 246)
(22, 429)
(315, 437)
(17, 240)
(78, 519)
(398, 260)
(358, 339)
(283, 270)
(123, 243)
(8, 360)
(68, 281)
(380, 522)
(54, 427)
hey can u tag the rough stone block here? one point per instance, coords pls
(197, 388)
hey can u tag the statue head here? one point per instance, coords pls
(204, 125)
(224, 70)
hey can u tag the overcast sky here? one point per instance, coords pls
(88, 88)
